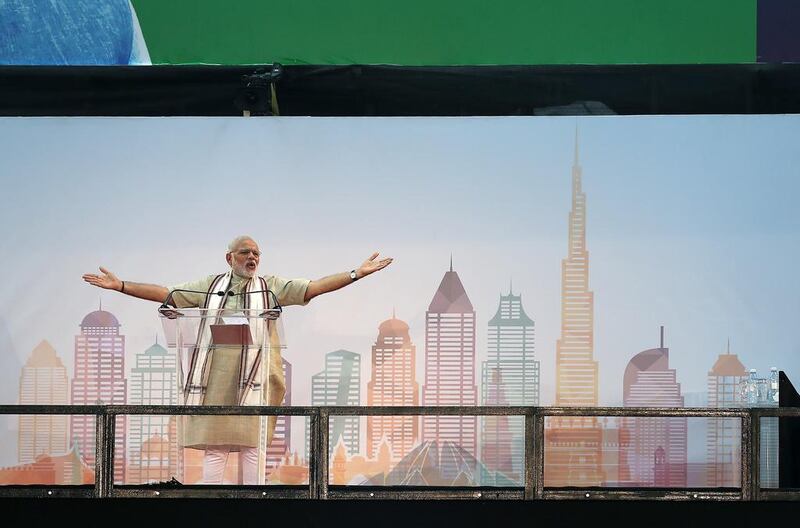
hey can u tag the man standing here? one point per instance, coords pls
(227, 377)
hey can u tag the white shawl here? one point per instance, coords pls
(251, 375)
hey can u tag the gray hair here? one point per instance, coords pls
(238, 240)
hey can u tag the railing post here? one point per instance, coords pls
(322, 453)
(534, 454)
(318, 462)
(104, 454)
(538, 460)
(313, 458)
(751, 446)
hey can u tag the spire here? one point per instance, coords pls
(393, 313)
(729, 346)
(156, 337)
(510, 286)
(450, 297)
(662, 337)
(101, 304)
(575, 161)
(451, 262)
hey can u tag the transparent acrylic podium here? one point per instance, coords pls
(255, 335)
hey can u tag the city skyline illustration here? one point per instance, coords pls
(152, 440)
(574, 353)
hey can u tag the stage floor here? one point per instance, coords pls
(383, 513)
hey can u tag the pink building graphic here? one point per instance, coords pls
(497, 436)
(99, 379)
(393, 382)
(656, 455)
(450, 364)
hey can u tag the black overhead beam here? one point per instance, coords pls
(402, 91)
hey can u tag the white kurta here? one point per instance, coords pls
(224, 367)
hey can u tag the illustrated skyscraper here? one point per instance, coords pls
(509, 376)
(43, 381)
(153, 382)
(723, 436)
(574, 446)
(393, 382)
(450, 364)
(99, 378)
(657, 452)
(339, 384)
(768, 452)
(282, 437)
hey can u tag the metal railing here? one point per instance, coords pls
(319, 483)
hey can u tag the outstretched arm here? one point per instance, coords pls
(340, 280)
(109, 281)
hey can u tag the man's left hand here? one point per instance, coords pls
(371, 265)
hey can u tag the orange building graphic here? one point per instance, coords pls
(393, 382)
(573, 447)
(359, 469)
(43, 381)
(616, 443)
(723, 436)
(66, 469)
(292, 469)
(155, 461)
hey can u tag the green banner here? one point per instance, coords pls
(449, 32)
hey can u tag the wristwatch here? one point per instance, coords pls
(353, 275)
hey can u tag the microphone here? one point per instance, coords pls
(268, 292)
(269, 313)
(168, 300)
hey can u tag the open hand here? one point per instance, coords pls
(371, 265)
(107, 280)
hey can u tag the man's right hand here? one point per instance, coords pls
(107, 280)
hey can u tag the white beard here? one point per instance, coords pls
(242, 271)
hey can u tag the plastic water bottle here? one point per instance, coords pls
(744, 390)
(762, 392)
(751, 389)
(773, 386)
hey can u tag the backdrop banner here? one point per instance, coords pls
(596, 261)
